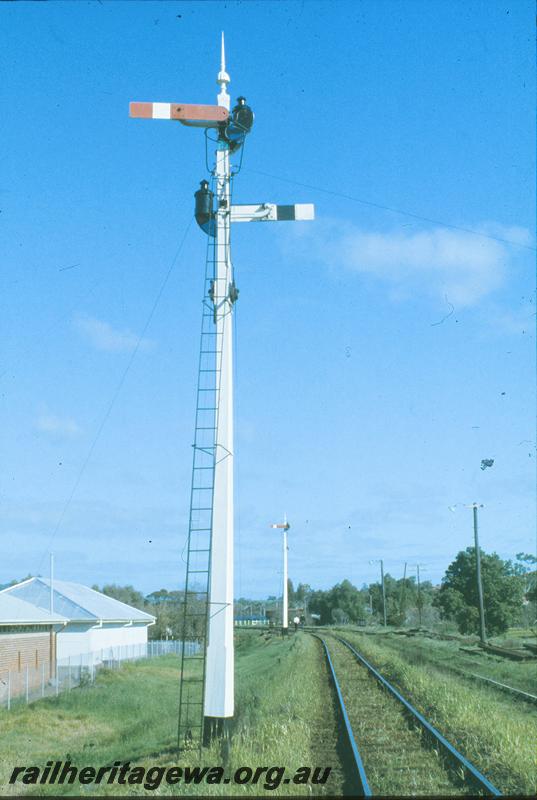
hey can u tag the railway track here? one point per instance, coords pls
(469, 675)
(393, 749)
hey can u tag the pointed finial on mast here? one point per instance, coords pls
(223, 78)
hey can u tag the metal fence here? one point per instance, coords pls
(33, 683)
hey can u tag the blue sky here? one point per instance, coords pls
(380, 355)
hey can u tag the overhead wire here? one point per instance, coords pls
(115, 394)
(411, 214)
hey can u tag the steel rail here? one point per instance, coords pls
(516, 692)
(479, 779)
(363, 783)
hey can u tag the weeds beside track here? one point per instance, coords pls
(402, 753)
(495, 731)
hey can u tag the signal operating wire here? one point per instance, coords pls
(115, 394)
(391, 208)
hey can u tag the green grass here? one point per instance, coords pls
(281, 706)
(447, 655)
(284, 717)
(496, 732)
(131, 714)
(116, 719)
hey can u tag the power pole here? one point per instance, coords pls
(383, 590)
(285, 589)
(418, 601)
(419, 594)
(482, 629)
(51, 599)
(381, 562)
(403, 589)
(207, 699)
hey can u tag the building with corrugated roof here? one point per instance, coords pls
(28, 636)
(93, 621)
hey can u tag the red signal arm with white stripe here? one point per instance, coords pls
(189, 114)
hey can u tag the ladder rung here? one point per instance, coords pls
(209, 346)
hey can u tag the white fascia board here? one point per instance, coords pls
(126, 622)
(51, 623)
(16, 586)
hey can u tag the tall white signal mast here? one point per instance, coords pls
(285, 587)
(207, 684)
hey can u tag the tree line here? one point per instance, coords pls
(509, 594)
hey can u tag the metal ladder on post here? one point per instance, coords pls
(196, 607)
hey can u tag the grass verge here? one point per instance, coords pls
(131, 715)
(446, 654)
(496, 733)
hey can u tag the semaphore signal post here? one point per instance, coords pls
(285, 590)
(206, 695)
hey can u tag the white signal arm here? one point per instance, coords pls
(271, 212)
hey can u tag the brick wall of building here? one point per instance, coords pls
(35, 649)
